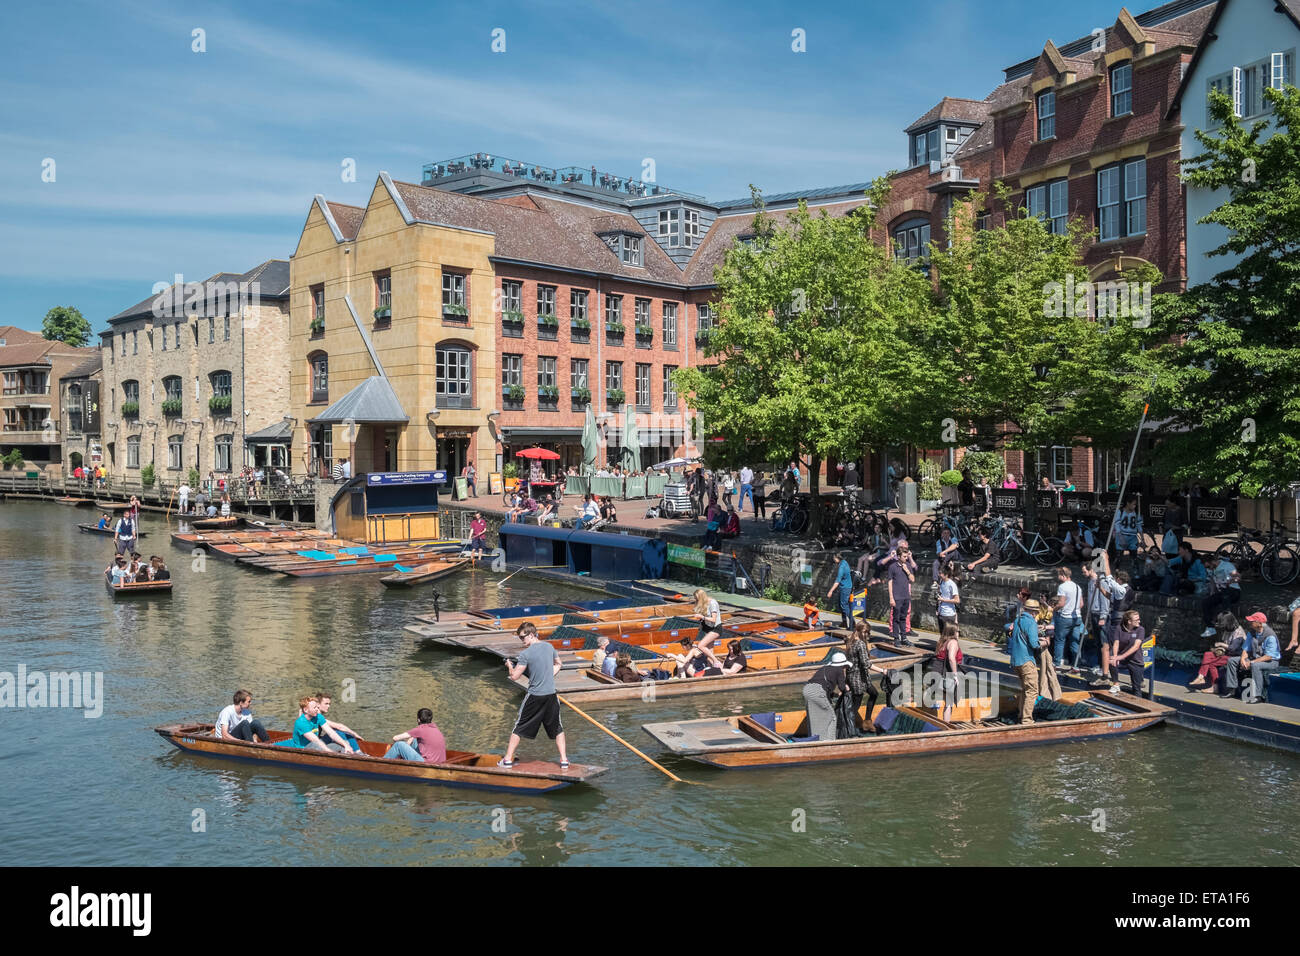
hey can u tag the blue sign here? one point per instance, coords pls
(407, 478)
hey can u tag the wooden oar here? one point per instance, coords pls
(661, 769)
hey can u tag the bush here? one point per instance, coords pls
(14, 459)
(985, 464)
(148, 475)
(192, 479)
(950, 478)
(510, 470)
(930, 490)
(778, 593)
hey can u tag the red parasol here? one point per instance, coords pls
(542, 454)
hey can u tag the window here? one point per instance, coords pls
(703, 319)
(1253, 79)
(641, 309)
(1047, 115)
(670, 325)
(691, 228)
(1121, 200)
(453, 369)
(135, 343)
(546, 371)
(912, 240)
(631, 250)
(226, 324)
(1057, 463)
(512, 370)
(578, 374)
(577, 304)
(453, 291)
(613, 376)
(384, 290)
(643, 387)
(546, 300)
(174, 446)
(317, 304)
(668, 226)
(73, 405)
(614, 309)
(319, 363)
(123, 343)
(670, 388)
(1121, 89)
(212, 329)
(131, 391)
(1050, 203)
(512, 295)
(176, 334)
(164, 338)
(133, 451)
(220, 383)
(925, 147)
(223, 456)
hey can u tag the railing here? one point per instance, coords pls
(504, 168)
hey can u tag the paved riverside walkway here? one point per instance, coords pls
(1264, 724)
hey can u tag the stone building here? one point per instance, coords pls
(194, 375)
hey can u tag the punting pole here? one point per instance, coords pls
(661, 769)
(502, 582)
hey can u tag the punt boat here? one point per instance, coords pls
(580, 628)
(141, 589)
(213, 524)
(461, 769)
(76, 502)
(96, 529)
(423, 573)
(779, 739)
(765, 668)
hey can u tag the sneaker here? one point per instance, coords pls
(507, 764)
(1114, 688)
(1197, 681)
(564, 765)
(1208, 632)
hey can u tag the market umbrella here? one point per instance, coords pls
(631, 442)
(590, 443)
(542, 454)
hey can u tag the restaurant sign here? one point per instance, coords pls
(407, 478)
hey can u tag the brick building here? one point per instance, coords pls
(1082, 130)
(194, 374)
(31, 367)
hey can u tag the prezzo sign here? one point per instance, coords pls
(407, 478)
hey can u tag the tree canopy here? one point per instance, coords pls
(66, 324)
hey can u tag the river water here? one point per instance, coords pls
(107, 790)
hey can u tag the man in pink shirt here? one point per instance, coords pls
(426, 736)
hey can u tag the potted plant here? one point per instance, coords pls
(148, 475)
(702, 336)
(582, 395)
(514, 393)
(130, 409)
(317, 326)
(948, 483)
(549, 392)
(384, 312)
(615, 396)
(510, 475)
(453, 309)
(549, 320)
(930, 489)
(513, 316)
(218, 404)
(614, 328)
(582, 324)
(192, 479)
(173, 407)
(645, 331)
(14, 459)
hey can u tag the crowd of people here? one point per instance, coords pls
(133, 569)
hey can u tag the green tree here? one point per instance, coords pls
(810, 345)
(66, 324)
(1229, 375)
(1023, 347)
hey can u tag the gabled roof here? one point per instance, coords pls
(281, 431)
(373, 402)
(272, 277)
(12, 335)
(1289, 8)
(952, 108)
(86, 368)
(27, 353)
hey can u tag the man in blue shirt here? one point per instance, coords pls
(900, 572)
(1260, 655)
(1021, 645)
(844, 581)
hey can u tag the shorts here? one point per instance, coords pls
(479, 542)
(538, 712)
(1126, 542)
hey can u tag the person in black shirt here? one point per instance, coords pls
(160, 572)
(966, 489)
(820, 693)
(990, 559)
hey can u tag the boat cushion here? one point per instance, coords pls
(403, 568)
(361, 550)
(767, 721)
(577, 619)
(316, 555)
(379, 558)
(907, 724)
(802, 740)
(678, 622)
(1045, 709)
(885, 719)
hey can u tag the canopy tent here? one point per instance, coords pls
(631, 441)
(590, 443)
(281, 433)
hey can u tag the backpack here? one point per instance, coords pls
(1127, 601)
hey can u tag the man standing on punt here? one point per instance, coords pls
(541, 706)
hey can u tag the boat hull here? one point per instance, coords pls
(106, 532)
(463, 769)
(419, 575)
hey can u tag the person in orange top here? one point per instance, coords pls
(811, 615)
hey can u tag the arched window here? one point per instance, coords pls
(220, 402)
(455, 376)
(131, 398)
(173, 405)
(912, 240)
(318, 364)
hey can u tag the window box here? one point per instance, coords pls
(173, 408)
(702, 337)
(615, 328)
(615, 396)
(513, 316)
(550, 321)
(645, 331)
(130, 409)
(384, 312)
(514, 393)
(317, 327)
(548, 327)
(581, 325)
(218, 404)
(548, 393)
(512, 324)
(453, 311)
(581, 396)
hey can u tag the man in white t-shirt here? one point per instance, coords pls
(747, 489)
(237, 722)
(949, 597)
(1067, 620)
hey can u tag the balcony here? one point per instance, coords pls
(24, 434)
(486, 170)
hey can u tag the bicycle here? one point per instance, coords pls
(791, 516)
(1276, 558)
(1013, 543)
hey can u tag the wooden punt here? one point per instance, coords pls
(546, 617)
(296, 566)
(772, 668)
(765, 740)
(95, 529)
(633, 631)
(423, 573)
(461, 769)
(216, 523)
(143, 589)
(76, 502)
(608, 609)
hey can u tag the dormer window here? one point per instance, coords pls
(630, 250)
(1121, 89)
(668, 226)
(926, 147)
(690, 228)
(1047, 115)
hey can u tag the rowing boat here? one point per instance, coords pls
(777, 739)
(423, 573)
(330, 563)
(461, 768)
(770, 668)
(96, 529)
(141, 589)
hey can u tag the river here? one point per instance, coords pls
(108, 791)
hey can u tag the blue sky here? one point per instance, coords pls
(170, 161)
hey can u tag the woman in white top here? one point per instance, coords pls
(709, 615)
